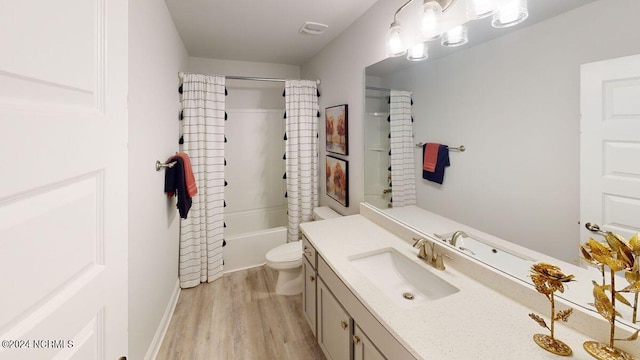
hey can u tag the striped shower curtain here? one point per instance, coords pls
(301, 152)
(201, 234)
(403, 182)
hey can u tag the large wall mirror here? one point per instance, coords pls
(513, 100)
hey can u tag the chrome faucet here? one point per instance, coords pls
(427, 252)
(454, 237)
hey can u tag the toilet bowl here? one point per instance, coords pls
(287, 259)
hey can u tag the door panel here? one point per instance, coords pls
(610, 146)
(63, 189)
(30, 223)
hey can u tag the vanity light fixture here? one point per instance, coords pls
(479, 9)
(512, 12)
(505, 13)
(431, 10)
(455, 37)
(418, 52)
(430, 19)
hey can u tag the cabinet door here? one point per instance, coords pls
(363, 348)
(334, 326)
(309, 295)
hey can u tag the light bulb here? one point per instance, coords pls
(455, 37)
(418, 52)
(511, 13)
(478, 9)
(430, 20)
(394, 40)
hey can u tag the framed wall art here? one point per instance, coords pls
(337, 125)
(338, 180)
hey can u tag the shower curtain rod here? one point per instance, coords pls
(260, 79)
(233, 77)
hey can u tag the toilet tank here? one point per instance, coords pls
(323, 213)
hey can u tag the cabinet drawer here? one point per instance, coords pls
(309, 251)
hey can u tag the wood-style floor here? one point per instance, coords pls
(239, 317)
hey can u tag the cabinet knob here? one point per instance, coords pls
(356, 339)
(344, 324)
(312, 278)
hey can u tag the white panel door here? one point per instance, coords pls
(610, 146)
(63, 183)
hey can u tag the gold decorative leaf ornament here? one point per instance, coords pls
(548, 279)
(616, 255)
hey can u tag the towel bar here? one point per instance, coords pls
(460, 148)
(160, 165)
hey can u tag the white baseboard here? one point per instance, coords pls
(154, 347)
(243, 268)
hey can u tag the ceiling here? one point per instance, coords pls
(267, 31)
(261, 31)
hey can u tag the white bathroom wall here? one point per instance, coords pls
(156, 55)
(255, 191)
(520, 120)
(341, 68)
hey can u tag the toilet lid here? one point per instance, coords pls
(286, 252)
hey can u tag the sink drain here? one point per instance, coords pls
(408, 296)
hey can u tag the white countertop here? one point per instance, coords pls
(578, 293)
(475, 323)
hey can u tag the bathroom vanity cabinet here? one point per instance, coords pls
(309, 284)
(345, 329)
(361, 316)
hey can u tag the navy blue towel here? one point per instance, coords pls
(174, 183)
(442, 162)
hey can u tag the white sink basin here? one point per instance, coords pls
(402, 280)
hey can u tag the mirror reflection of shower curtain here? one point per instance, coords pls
(403, 182)
(201, 233)
(301, 151)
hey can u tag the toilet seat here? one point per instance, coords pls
(285, 256)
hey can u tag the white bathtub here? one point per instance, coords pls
(248, 249)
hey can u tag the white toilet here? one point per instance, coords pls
(287, 258)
